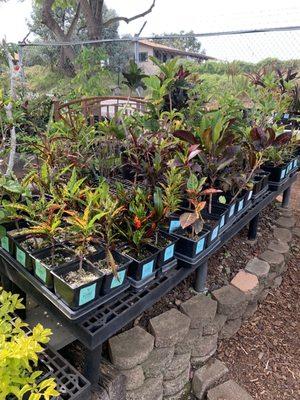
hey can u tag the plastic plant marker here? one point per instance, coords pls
(231, 211)
(222, 222)
(175, 224)
(215, 233)
(87, 294)
(5, 243)
(117, 281)
(249, 195)
(283, 172)
(200, 246)
(40, 271)
(286, 116)
(147, 269)
(241, 205)
(169, 252)
(21, 257)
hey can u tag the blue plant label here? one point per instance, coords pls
(40, 271)
(169, 252)
(215, 233)
(174, 224)
(286, 116)
(295, 162)
(21, 257)
(87, 294)
(147, 269)
(250, 195)
(282, 175)
(200, 246)
(222, 222)
(231, 211)
(118, 280)
(241, 205)
(5, 243)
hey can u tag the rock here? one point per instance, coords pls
(286, 212)
(173, 386)
(207, 377)
(158, 360)
(199, 361)
(231, 301)
(169, 328)
(263, 295)
(151, 390)
(274, 259)
(296, 232)
(112, 380)
(259, 268)
(279, 247)
(271, 279)
(229, 390)
(278, 281)
(246, 283)
(205, 346)
(215, 326)
(230, 328)
(179, 364)
(134, 377)
(99, 393)
(250, 310)
(200, 309)
(282, 234)
(182, 394)
(286, 222)
(130, 348)
(188, 343)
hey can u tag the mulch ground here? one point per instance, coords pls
(264, 356)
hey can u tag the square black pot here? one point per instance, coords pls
(219, 212)
(142, 269)
(41, 270)
(189, 247)
(277, 174)
(111, 282)
(7, 241)
(166, 254)
(76, 297)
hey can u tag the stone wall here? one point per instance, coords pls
(162, 363)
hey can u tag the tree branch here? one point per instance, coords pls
(74, 22)
(127, 20)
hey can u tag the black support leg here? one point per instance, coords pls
(92, 365)
(286, 197)
(252, 233)
(201, 276)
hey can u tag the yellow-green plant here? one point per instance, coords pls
(19, 355)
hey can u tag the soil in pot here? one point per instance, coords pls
(32, 244)
(59, 257)
(79, 277)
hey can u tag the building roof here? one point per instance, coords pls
(172, 50)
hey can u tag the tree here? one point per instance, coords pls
(93, 14)
(188, 43)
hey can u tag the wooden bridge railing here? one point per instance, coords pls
(95, 109)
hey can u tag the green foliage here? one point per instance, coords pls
(19, 355)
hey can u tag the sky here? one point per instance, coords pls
(199, 16)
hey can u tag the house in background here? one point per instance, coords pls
(148, 48)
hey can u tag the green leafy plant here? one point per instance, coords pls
(19, 355)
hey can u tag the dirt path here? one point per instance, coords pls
(264, 357)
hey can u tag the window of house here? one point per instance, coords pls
(143, 56)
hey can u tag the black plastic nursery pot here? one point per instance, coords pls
(77, 296)
(219, 213)
(7, 241)
(189, 247)
(42, 270)
(22, 255)
(277, 173)
(167, 253)
(142, 269)
(242, 199)
(257, 184)
(110, 282)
